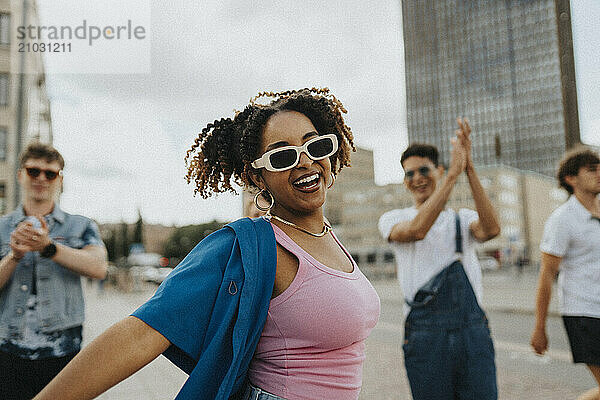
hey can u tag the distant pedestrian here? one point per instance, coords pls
(571, 248)
(101, 283)
(41, 299)
(448, 350)
(266, 308)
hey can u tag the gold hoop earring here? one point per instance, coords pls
(332, 181)
(261, 208)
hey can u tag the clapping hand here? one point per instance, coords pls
(459, 155)
(26, 238)
(464, 134)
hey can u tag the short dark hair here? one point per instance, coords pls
(421, 150)
(572, 162)
(41, 150)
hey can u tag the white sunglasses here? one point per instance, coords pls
(284, 158)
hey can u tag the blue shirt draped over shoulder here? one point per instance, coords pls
(213, 306)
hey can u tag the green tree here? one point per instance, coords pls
(123, 241)
(138, 229)
(183, 239)
(110, 241)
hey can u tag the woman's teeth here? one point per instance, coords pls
(307, 182)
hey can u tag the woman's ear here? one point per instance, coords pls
(256, 178)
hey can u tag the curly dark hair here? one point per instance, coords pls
(223, 151)
(572, 162)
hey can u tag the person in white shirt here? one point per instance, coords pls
(570, 247)
(448, 350)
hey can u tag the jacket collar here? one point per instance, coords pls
(56, 215)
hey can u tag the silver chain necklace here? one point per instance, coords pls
(325, 231)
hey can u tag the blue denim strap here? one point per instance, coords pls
(458, 244)
(431, 287)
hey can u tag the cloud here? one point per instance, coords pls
(124, 136)
(94, 170)
(590, 132)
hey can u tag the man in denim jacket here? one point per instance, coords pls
(43, 252)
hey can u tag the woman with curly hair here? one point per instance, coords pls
(266, 308)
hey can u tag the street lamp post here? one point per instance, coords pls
(20, 124)
(567, 73)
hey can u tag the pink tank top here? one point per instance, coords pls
(313, 342)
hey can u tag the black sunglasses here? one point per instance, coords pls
(50, 174)
(424, 171)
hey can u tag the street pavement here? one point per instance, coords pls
(509, 299)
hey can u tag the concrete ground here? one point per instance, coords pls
(508, 297)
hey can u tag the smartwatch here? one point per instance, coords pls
(48, 251)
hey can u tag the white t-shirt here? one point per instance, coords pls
(417, 262)
(571, 233)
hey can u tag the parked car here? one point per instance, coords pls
(489, 263)
(156, 275)
(144, 259)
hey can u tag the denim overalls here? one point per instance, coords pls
(448, 350)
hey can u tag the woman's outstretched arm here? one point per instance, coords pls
(118, 353)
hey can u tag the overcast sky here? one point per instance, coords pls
(124, 136)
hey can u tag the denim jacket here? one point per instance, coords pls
(59, 291)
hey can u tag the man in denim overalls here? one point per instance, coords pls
(448, 350)
(44, 252)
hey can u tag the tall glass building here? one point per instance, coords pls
(507, 65)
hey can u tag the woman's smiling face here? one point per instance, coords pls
(302, 188)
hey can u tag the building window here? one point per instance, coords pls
(508, 214)
(508, 198)
(508, 181)
(371, 258)
(3, 89)
(2, 198)
(388, 257)
(3, 141)
(4, 28)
